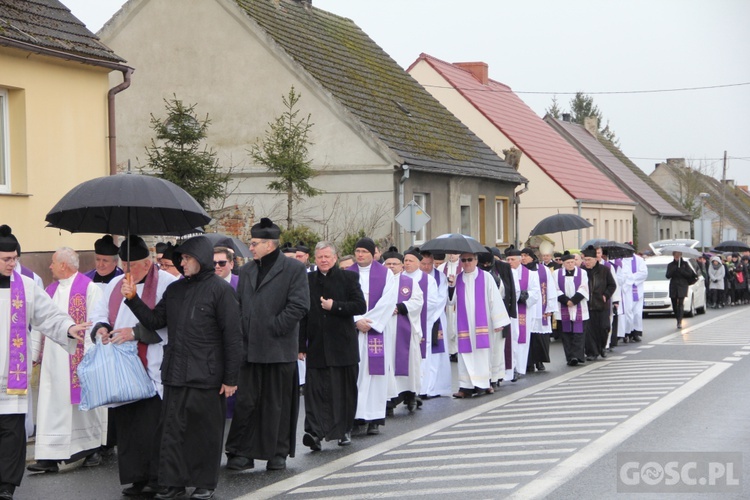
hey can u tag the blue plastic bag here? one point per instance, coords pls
(113, 374)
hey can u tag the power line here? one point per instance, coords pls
(603, 92)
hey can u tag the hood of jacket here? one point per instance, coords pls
(202, 250)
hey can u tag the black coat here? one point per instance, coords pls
(601, 284)
(201, 314)
(271, 310)
(506, 275)
(679, 274)
(329, 337)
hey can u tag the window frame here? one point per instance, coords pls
(5, 178)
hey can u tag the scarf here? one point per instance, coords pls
(18, 382)
(403, 328)
(523, 284)
(375, 346)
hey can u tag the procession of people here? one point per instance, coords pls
(375, 333)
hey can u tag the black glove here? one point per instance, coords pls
(523, 296)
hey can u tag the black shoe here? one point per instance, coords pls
(411, 405)
(636, 338)
(93, 460)
(373, 429)
(389, 411)
(6, 495)
(43, 466)
(171, 492)
(202, 493)
(135, 490)
(453, 358)
(240, 463)
(540, 366)
(625, 340)
(346, 440)
(312, 442)
(591, 358)
(6, 491)
(679, 325)
(573, 362)
(603, 354)
(276, 463)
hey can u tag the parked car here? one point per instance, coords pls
(657, 246)
(656, 289)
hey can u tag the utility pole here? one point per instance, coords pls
(723, 197)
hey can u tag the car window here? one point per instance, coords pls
(656, 272)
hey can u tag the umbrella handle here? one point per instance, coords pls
(129, 279)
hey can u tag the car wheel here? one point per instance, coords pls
(691, 312)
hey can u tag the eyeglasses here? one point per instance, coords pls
(220, 263)
(470, 259)
(165, 265)
(8, 260)
(256, 243)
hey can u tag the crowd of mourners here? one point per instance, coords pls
(231, 349)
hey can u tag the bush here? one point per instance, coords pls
(346, 246)
(301, 234)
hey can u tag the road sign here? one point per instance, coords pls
(412, 217)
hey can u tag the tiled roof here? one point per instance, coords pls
(627, 174)
(376, 90)
(506, 111)
(48, 24)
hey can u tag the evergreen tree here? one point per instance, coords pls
(554, 109)
(178, 156)
(284, 153)
(582, 106)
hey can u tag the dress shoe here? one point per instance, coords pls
(411, 405)
(43, 466)
(625, 340)
(135, 490)
(93, 460)
(6, 491)
(346, 440)
(202, 493)
(679, 325)
(171, 492)
(312, 442)
(490, 390)
(373, 429)
(603, 354)
(240, 463)
(540, 366)
(276, 463)
(461, 395)
(573, 362)
(6, 495)
(590, 358)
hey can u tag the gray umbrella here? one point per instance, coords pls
(684, 250)
(454, 243)
(560, 222)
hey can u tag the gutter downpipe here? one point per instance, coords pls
(401, 201)
(580, 211)
(112, 137)
(517, 202)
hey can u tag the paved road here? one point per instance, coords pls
(555, 434)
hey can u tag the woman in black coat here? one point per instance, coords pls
(680, 276)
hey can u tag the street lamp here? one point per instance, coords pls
(703, 197)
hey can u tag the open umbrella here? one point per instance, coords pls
(685, 250)
(454, 243)
(560, 222)
(732, 246)
(614, 249)
(236, 244)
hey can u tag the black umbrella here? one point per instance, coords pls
(597, 243)
(614, 249)
(236, 244)
(454, 243)
(732, 246)
(560, 222)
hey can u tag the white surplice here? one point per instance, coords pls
(533, 313)
(436, 368)
(403, 383)
(632, 317)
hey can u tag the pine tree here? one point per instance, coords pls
(178, 156)
(284, 153)
(554, 109)
(582, 106)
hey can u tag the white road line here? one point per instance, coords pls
(573, 405)
(539, 400)
(647, 346)
(747, 347)
(689, 329)
(741, 353)
(631, 352)
(483, 425)
(465, 456)
(483, 437)
(575, 464)
(615, 358)
(484, 446)
(445, 467)
(732, 358)
(442, 491)
(395, 482)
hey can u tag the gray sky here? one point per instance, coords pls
(548, 46)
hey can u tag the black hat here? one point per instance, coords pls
(265, 230)
(509, 249)
(160, 247)
(528, 251)
(557, 255)
(301, 247)
(392, 253)
(368, 245)
(8, 242)
(138, 249)
(567, 256)
(288, 248)
(485, 258)
(512, 252)
(106, 246)
(415, 252)
(589, 251)
(438, 255)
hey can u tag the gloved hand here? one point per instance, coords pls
(523, 296)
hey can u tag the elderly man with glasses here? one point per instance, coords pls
(480, 318)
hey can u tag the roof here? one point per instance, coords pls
(627, 174)
(50, 26)
(377, 91)
(509, 114)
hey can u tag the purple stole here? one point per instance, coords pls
(481, 330)
(439, 346)
(423, 316)
(233, 280)
(543, 287)
(523, 284)
(634, 268)
(577, 326)
(27, 272)
(77, 311)
(18, 382)
(403, 328)
(375, 346)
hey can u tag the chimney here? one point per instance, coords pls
(566, 117)
(676, 162)
(591, 123)
(478, 69)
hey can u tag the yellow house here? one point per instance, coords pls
(54, 131)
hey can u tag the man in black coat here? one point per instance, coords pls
(680, 276)
(199, 370)
(328, 342)
(274, 296)
(601, 287)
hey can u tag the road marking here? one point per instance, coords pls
(443, 490)
(741, 353)
(731, 358)
(644, 346)
(631, 352)
(447, 467)
(735, 333)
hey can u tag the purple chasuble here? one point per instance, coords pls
(439, 346)
(77, 311)
(634, 268)
(543, 287)
(18, 381)
(403, 328)
(577, 326)
(481, 330)
(375, 346)
(523, 284)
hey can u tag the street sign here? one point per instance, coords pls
(412, 217)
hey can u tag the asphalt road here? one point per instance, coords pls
(556, 434)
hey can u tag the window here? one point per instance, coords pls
(421, 235)
(4, 144)
(466, 220)
(501, 220)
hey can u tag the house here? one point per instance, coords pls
(379, 139)
(657, 215)
(54, 133)
(561, 180)
(725, 205)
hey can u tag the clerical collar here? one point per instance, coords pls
(570, 273)
(98, 278)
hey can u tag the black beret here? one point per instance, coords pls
(160, 247)
(301, 247)
(106, 246)
(367, 244)
(485, 258)
(392, 253)
(265, 230)
(415, 252)
(528, 251)
(589, 251)
(288, 248)
(567, 256)
(438, 255)
(138, 249)
(512, 252)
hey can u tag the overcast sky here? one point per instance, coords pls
(545, 47)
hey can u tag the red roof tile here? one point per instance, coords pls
(553, 154)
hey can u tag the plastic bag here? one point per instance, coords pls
(112, 374)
